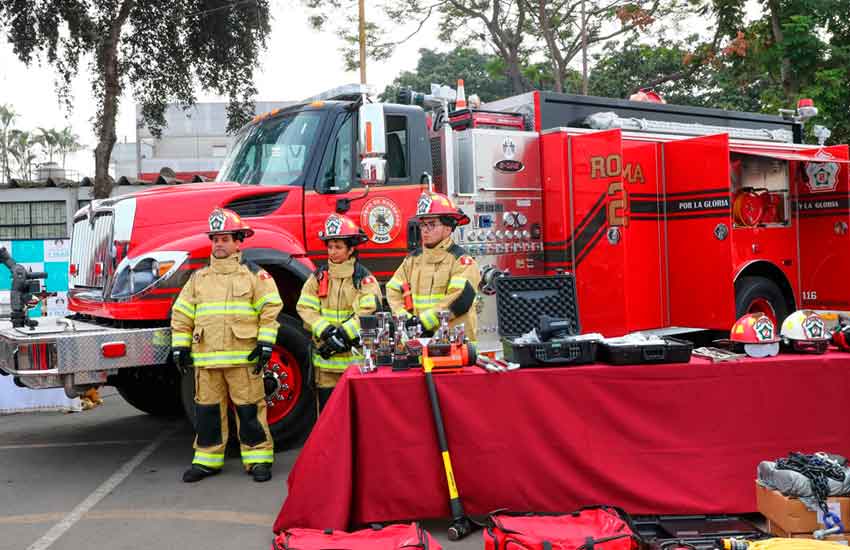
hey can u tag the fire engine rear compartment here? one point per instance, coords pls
(663, 225)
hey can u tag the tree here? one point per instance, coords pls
(7, 117)
(501, 25)
(621, 69)
(22, 148)
(161, 48)
(68, 142)
(49, 140)
(481, 73)
(569, 27)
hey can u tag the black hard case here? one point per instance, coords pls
(521, 301)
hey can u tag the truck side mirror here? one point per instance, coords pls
(373, 144)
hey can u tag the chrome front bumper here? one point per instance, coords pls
(60, 351)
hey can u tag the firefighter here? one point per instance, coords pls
(333, 299)
(439, 275)
(224, 323)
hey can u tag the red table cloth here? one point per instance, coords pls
(653, 439)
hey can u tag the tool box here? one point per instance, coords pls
(697, 532)
(616, 351)
(521, 302)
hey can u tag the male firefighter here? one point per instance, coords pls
(224, 323)
(332, 301)
(439, 275)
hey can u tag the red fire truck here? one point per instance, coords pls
(669, 216)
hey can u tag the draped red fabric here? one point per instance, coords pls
(654, 439)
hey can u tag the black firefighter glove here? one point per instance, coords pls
(262, 353)
(333, 341)
(182, 357)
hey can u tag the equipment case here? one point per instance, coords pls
(672, 351)
(521, 301)
(589, 528)
(390, 537)
(695, 532)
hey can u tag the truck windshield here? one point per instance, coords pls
(273, 152)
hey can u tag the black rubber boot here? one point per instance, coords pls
(198, 472)
(261, 472)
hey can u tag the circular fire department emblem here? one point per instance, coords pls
(381, 219)
(822, 176)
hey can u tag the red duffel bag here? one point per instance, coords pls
(589, 528)
(391, 537)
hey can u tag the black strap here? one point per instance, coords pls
(360, 273)
(252, 267)
(456, 250)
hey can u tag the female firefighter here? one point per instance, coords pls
(332, 300)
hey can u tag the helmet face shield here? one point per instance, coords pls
(761, 350)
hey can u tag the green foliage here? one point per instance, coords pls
(162, 49)
(480, 72)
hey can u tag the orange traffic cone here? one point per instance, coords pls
(460, 102)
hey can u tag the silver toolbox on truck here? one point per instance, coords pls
(62, 352)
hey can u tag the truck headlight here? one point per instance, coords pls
(135, 275)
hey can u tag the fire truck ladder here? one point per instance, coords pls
(610, 120)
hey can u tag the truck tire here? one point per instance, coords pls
(289, 384)
(760, 294)
(153, 389)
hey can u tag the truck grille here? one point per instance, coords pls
(91, 250)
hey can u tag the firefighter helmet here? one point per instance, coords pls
(805, 331)
(436, 205)
(342, 227)
(223, 221)
(757, 333)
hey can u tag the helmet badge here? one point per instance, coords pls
(763, 328)
(813, 327)
(217, 220)
(333, 225)
(423, 206)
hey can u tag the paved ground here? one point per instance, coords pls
(110, 478)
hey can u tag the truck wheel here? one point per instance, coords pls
(289, 386)
(292, 411)
(756, 294)
(154, 389)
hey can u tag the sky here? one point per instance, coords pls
(298, 63)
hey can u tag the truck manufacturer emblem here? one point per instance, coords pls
(509, 166)
(508, 148)
(721, 231)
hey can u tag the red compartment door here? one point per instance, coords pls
(698, 220)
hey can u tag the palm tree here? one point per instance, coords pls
(22, 149)
(7, 116)
(49, 139)
(68, 142)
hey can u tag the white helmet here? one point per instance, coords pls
(805, 331)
